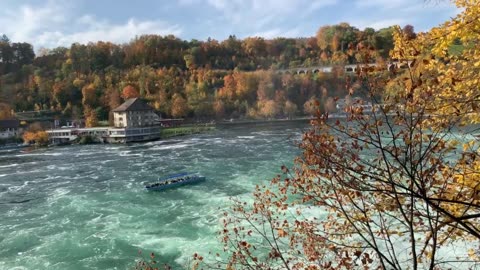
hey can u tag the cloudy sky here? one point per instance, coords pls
(52, 23)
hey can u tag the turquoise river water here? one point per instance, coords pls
(85, 207)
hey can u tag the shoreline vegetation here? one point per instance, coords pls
(187, 129)
(170, 132)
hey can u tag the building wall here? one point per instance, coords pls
(134, 118)
(6, 133)
(112, 135)
(120, 119)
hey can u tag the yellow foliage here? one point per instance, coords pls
(447, 84)
(5, 111)
(91, 118)
(35, 137)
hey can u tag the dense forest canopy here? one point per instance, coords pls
(201, 79)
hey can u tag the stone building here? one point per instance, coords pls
(134, 121)
(134, 113)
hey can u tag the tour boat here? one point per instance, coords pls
(175, 181)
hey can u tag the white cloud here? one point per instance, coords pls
(59, 23)
(219, 4)
(383, 4)
(384, 13)
(26, 21)
(317, 4)
(188, 2)
(260, 13)
(104, 31)
(49, 26)
(378, 24)
(277, 32)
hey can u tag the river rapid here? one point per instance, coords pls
(85, 207)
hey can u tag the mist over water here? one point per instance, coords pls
(85, 207)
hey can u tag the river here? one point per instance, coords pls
(85, 207)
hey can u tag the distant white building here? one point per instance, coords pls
(134, 121)
(10, 129)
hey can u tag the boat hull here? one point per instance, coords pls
(162, 186)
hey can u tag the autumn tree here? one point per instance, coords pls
(219, 109)
(179, 106)
(89, 95)
(290, 109)
(409, 32)
(391, 188)
(91, 117)
(129, 92)
(311, 106)
(268, 108)
(37, 138)
(160, 66)
(5, 111)
(113, 100)
(35, 134)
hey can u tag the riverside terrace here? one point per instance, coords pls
(105, 134)
(134, 121)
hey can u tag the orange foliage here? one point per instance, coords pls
(35, 137)
(129, 92)
(179, 106)
(89, 95)
(91, 117)
(5, 111)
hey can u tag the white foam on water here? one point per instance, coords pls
(9, 165)
(95, 203)
(80, 154)
(130, 154)
(246, 137)
(106, 161)
(17, 188)
(65, 168)
(39, 154)
(99, 235)
(124, 153)
(201, 246)
(262, 133)
(170, 146)
(20, 172)
(58, 193)
(112, 147)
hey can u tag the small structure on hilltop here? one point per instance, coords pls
(134, 121)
